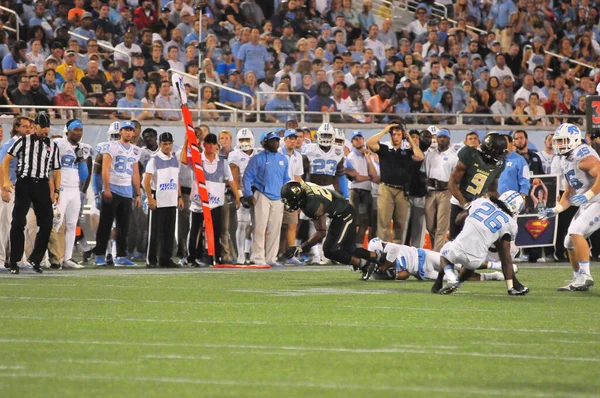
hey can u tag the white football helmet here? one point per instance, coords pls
(244, 139)
(566, 138)
(340, 137)
(376, 245)
(325, 135)
(113, 131)
(433, 130)
(513, 201)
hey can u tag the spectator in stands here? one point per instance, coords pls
(253, 56)
(92, 81)
(500, 69)
(148, 102)
(50, 85)
(231, 98)
(165, 100)
(145, 16)
(140, 82)
(380, 104)
(22, 94)
(566, 107)
(85, 30)
(280, 108)
(129, 101)
(458, 94)
(69, 62)
(164, 24)
(128, 46)
(15, 63)
(38, 94)
(115, 83)
(536, 113)
(432, 96)
(156, 61)
(501, 107)
(35, 56)
(67, 99)
(322, 102)
(419, 25)
(253, 13)
(551, 105)
(207, 105)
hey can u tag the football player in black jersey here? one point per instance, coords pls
(318, 204)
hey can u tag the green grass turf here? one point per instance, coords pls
(300, 332)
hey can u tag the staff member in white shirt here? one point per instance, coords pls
(161, 183)
(360, 172)
(439, 163)
(295, 171)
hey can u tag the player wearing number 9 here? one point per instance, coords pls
(121, 184)
(476, 174)
(580, 165)
(490, 222)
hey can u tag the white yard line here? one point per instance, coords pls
(307, 324)
(431, 351)
(284, 385)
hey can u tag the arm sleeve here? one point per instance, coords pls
(55, 157)
(249, 175)
(84, 172)
(97, 183)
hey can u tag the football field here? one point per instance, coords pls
(296, 332)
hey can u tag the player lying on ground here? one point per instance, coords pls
(318, 204)
(490, 221)
(400, 262)
(580, 166)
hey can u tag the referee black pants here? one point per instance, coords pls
(36, 192)
(162, 234)
(196, 241)
(120, 208)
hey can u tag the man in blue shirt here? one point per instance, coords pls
(232, 98)
(21, 127)
(263, 178)
(503, 16)
(280, 103)
(433, 95)
(515, 176)
(129, 101)
(253, 56)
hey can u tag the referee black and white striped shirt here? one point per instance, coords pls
(36, 156)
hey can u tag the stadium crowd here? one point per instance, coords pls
(332, 56)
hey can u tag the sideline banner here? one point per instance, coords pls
(532, 231)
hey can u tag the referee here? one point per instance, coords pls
(36, 157)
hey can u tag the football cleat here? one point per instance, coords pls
(449, 288)
(124, 262)
(518, 290)
(582, 283)
(72, 264)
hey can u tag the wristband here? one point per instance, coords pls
(589, 195)
(558, 208)
(57, 191)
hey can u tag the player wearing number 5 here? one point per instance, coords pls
(475, 175)
(121, 184)
(580, 166)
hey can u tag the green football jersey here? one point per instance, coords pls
(479, 175)
(333, 203)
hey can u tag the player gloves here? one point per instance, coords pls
(545, 214)
(580, 200)
(292, 251)
(98, 200)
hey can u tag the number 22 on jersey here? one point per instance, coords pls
(317, 190)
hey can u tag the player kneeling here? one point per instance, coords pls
(318, 204)
(490, 221)
(400, 262)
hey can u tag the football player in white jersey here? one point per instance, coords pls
(489, 221)
(325, 166)
(400, 262)
(580, 166)
(112, 134)
(120, 184)
(238, 160)
(73, 161)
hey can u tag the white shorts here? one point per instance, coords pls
(456, 256)
(432, 264)
(586, 221)
(244, 215)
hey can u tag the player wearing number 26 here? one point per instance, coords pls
(121, 182)
(580, 167)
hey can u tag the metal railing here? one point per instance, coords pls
(412, 118)
(16, 28)
(101, 44)
(274, 93)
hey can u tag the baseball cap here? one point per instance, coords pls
(356, 133)
(129, 83)
(443, 132)
(86, 15)
(493, 43)
(475, 56)
(185, 12)
(166, 137)
(325, 26)
(486, 69)
(272, 135)
(449, 76)
(290, 133)
(127, 124)
(464, 54)
(165, 9)
(404, 79)
(70, 52)
(211, 138)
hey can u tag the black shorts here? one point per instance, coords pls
(340, 241)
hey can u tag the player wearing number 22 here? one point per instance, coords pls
(580, 166)
(318, 204)
(121, 185)
(490, 221)
(476, 174)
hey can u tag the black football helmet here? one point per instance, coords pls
(292, 195)
(494, 148)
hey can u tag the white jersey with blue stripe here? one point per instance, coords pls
(578, 179)
(69, 167)
(322, 162)
(485, 224)
(121, 167)
(406, 258)
(241, 159)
